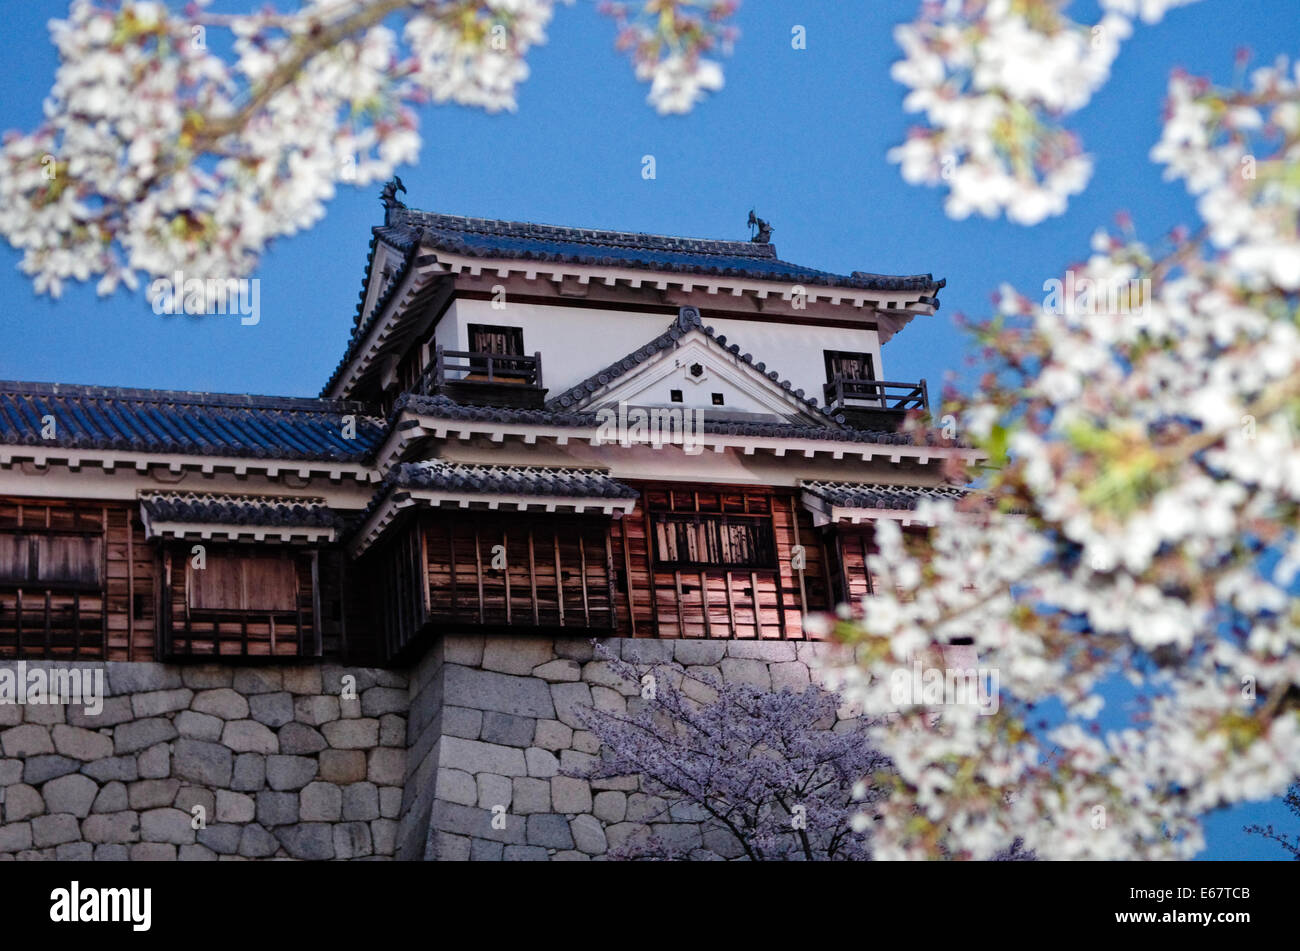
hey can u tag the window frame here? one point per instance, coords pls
(245, 559)
(830, 357)
(33, 580)
(762, 541)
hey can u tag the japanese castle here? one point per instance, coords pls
(532, 430)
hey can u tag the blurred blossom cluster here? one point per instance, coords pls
(159, 153)
(993, 79)
(668, 40)
(1140, 519)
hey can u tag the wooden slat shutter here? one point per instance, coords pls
(15, 551)
(68, 559)
(270, 584)
(218, 586)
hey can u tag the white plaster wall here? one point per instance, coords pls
(576, 342)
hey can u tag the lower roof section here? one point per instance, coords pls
(438, 484)
(58, 415)
(222, 517)
(852, 502)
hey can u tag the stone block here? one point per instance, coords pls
(343, 766)
(142, 734)
(360, 802)
(155, 762)
(166, 825)
(223, 703)
(41, 769)
(78, 743)
(298, 739)
(308, 840)
(508, 730)
(113, 827)
(387, 767)
(502, 693)
(568, 698)
(610, 806)
(552, 735)
(235, 807)
(316, 710)
(73, 794)
(494, 791)
(550, 831)
(570, 795)
(530, 795)
(321, 802)
(289, 772)
(208, 764)
(30, 739)
(111, 798)
(249, 773)
(476, 757)
(352, 734)
(377, 701)
(588, 835)
(22, 802)
(249, 736)
(54, 830)
(158, 702)
(514, 654)
(272, 709)
(152, 793)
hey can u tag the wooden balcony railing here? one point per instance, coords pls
(842, 392)
(494, 379)
(469, 366)
(871, 403)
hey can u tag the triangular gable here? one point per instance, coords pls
(691, 358)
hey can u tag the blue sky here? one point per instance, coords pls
(800, 135)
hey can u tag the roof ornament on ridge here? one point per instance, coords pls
(764, 235)
(388, 195)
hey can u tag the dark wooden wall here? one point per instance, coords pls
(111, 617)
(133, 606)
(760, 603)
(433, 572)
(291, 629)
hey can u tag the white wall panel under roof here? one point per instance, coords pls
(577, 342)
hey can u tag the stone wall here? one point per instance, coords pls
(279, 763)
(493, 725)
(282, 765)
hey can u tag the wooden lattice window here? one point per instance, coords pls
(53, 559)
(715, 541)
(846, 365)
(499, 341)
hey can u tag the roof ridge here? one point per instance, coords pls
(192, 397)
(605, 236)
(197, 494)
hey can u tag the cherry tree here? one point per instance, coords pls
(188, 139)
(1134, 532)
(764, 766)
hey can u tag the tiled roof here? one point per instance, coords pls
(688, 319)
(440, 407)
(490, 238)
(859, 495)
(218, 509)
(510, 480)
(173, 422)
(410, 230)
